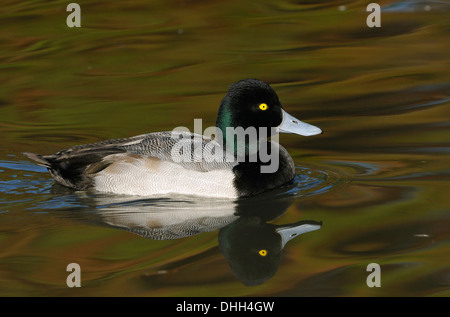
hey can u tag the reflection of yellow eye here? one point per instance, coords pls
(262, 252)
(263, 107)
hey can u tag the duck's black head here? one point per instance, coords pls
(253, 103)
(250, 103)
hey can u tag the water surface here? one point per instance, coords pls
(377, 178)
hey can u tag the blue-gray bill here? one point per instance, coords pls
(291, 124)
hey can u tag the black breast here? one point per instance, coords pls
(250, 179)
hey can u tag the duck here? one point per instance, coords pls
(240, 159)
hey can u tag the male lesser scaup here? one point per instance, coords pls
(162, 163)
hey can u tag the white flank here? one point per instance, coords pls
(142, 176)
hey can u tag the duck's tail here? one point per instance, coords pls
(74, 170)
(42, 160)
(54, 168)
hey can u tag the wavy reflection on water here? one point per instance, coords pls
(377, 176)
(251, 245)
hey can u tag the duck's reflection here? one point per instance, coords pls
(166, 219)
(252, 246)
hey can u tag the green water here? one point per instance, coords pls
(377, 178)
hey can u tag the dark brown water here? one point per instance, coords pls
(378, 177)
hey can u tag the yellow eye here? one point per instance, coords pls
(262, 252)
(263, 107)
